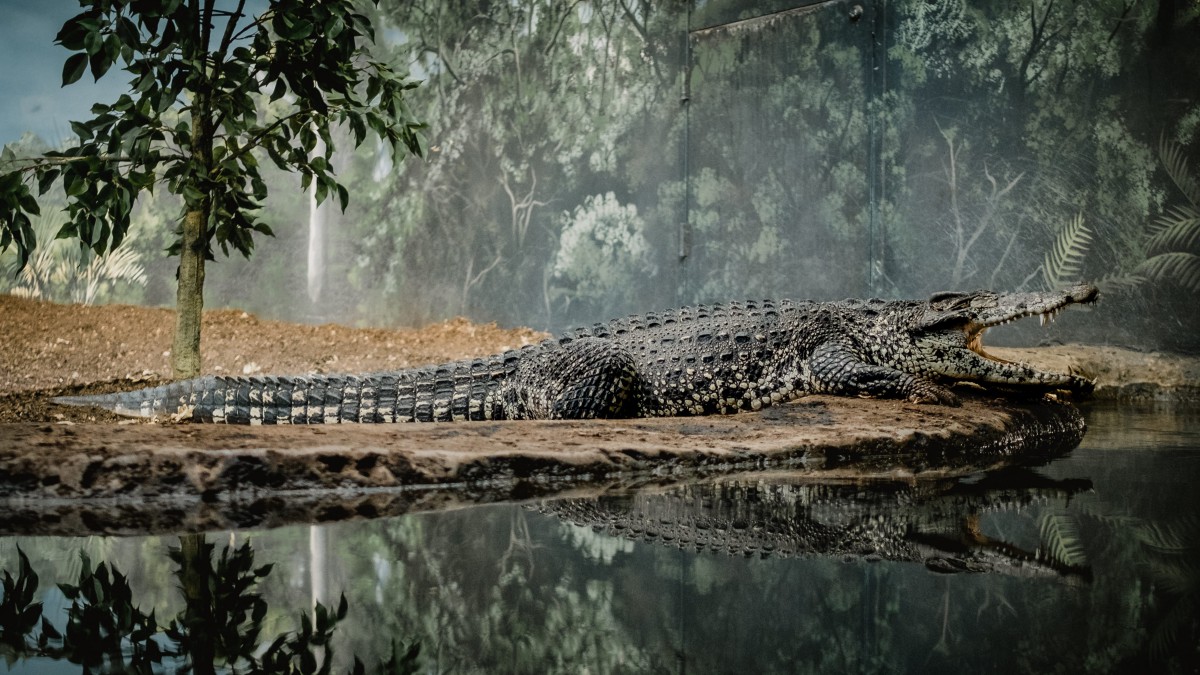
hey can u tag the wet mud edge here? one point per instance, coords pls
(172, 477)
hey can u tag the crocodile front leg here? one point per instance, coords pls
(835, 369)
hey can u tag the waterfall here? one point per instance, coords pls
(318, 214)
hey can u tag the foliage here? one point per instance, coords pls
(602, 248)
(61, 271)
(783, 155)
(532, 113)
(1063, 263)
(19, 614)
(105, 630)
(1173, 246)
(1045, 90)
(1061, 540)
(310, 52)
(1173, 553)
(993, 129)
(194, 123)
(1168, 241)
(227, 613)
(102, 618)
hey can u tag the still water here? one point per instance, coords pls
(1088, 563)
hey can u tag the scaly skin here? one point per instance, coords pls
(932, 523)
(699, 360)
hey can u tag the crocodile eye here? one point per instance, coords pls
(942, 296)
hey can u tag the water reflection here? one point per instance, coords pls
(938, 523)
(1087, 563)
(219, 629)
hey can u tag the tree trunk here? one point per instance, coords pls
(195, 570)
(189, 297)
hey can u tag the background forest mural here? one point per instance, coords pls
(592, 158)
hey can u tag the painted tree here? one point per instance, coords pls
(214, 89)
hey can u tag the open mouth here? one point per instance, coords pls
(975, 344)
(1022, 306)
(978, 312)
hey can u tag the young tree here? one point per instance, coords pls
(193, 122)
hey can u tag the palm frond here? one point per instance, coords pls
(1178, 267)
(1178, 229)
(60, 270)
(1176, 164)
(1060, 539)
(1064, 261)
(123, 264)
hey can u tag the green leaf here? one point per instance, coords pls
(83, 131)
(1177, 229)
(192, 194)
(1178, 267)
(27, 202)
(343, 196)
(73, 68)
(46, 180)
(1064, 261)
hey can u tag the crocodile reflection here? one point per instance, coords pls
(934, 523)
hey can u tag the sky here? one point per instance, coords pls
(32, 97)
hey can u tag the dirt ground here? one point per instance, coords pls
(49, 350)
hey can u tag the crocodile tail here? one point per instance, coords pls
(453, 392)
(165, 400)
(251, 400)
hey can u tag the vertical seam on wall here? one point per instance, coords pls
(876, 122)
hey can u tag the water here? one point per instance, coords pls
(1088, 563)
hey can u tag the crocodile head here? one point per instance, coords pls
(947, 334)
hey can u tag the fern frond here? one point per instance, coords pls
(1176, 164)
(1178, 267)
(1114, 284)
(1170, 537)
(1064, 261)
(1060, 539)
(1166, 634)
(1175, 576)
(1177, 229)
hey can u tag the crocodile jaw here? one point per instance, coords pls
(958, 353)
(988, 310)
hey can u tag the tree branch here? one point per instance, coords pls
(254, 142)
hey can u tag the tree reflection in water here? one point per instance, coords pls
(220, 628)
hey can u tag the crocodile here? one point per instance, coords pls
(942, 524)
(696, 360)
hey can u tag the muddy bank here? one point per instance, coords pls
(164, 477)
